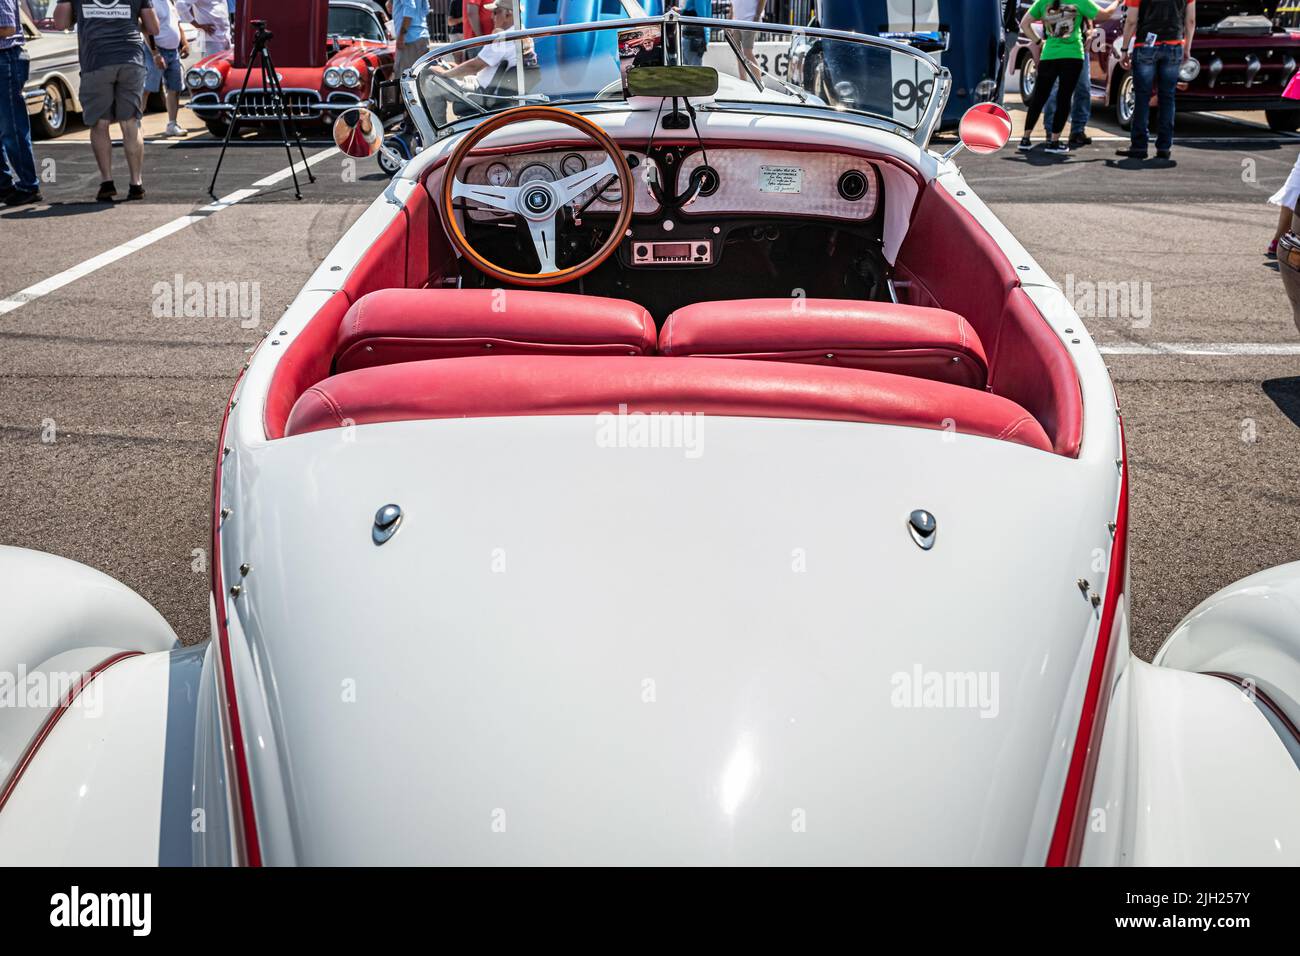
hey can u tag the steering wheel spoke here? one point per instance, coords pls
(505, 198)
(571, 187)
(543, 234)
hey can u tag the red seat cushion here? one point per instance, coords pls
(511, 385)
(880, 336)
(408, 325)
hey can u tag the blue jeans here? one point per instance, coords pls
(17, 161)
(1155, 65)
(1080, 105)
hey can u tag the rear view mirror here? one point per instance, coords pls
(985, 128)
(661, 81)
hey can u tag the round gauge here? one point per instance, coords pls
(498, 174)
(535, 172)
(572, 164)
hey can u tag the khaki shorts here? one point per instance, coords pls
(113, 93)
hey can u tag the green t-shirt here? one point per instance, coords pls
(1062, 38)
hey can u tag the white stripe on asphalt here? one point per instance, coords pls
(1203, 348)
(95, 263)
(288, 171)
(82, 269)
(225, 202)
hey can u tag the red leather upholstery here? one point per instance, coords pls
(880, 336)
(304, 363)
(508, 385)
(952, 262)
(1034, 369)
(950, 259)
(407, 325)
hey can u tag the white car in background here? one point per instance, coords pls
(54, 85)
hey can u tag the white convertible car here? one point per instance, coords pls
(668, 468)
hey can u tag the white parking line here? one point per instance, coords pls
(1203, 348)
(288, 171)
(95, 263)
(82, 269)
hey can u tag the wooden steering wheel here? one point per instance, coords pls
(537, 203)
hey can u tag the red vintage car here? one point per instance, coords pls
(1244, 51)
(360, 55)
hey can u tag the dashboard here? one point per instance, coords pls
(743, 197)
(522, 168)
(784, 182)
(746, 182)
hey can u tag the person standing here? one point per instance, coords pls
(1080, 102)
(111, 48)
(411, 26)
(164, 65)
(1157, 42)
(752, 10)
(18, 183)
(212, 19)
(695, 41)
(1060, 60)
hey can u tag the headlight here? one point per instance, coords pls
(211, 79)
(351, 78)
(333, 77)
(1189, 70)
(985, 90)
(193, 79)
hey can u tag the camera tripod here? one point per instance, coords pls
(261, 59)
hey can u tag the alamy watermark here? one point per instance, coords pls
(946, 690)
(45, 689)
(181, 299)
(683, 430)
(1125, 299)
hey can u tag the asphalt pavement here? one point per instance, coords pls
(110, 396)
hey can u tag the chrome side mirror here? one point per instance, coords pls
(985, 128)
(358, 133)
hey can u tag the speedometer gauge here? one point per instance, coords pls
(535, 172)
(498, 174)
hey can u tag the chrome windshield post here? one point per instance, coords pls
(673, 38)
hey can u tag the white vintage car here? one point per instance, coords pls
(691, 474)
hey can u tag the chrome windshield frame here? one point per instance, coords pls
(920, 136)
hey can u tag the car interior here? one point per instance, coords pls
(739, 301)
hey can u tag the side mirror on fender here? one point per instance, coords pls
(985, 128)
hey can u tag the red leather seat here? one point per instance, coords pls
(879, 336)
(408, 325)
(512, 385)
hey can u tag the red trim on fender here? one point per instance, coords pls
(246, 819)
(1067, 839)
(33, 745)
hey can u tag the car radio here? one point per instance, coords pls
(696, 252)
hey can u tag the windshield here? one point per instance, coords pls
(351, 22)
(811, 69)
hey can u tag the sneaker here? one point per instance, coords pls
(6, 193)
(1132, 153)
(22, 197)
(135, 192)
(1058, 146)
(106, 191)
(1026, 144)
(1080, 139)
(1162, 154)
(1272, 250)
(175, 129)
